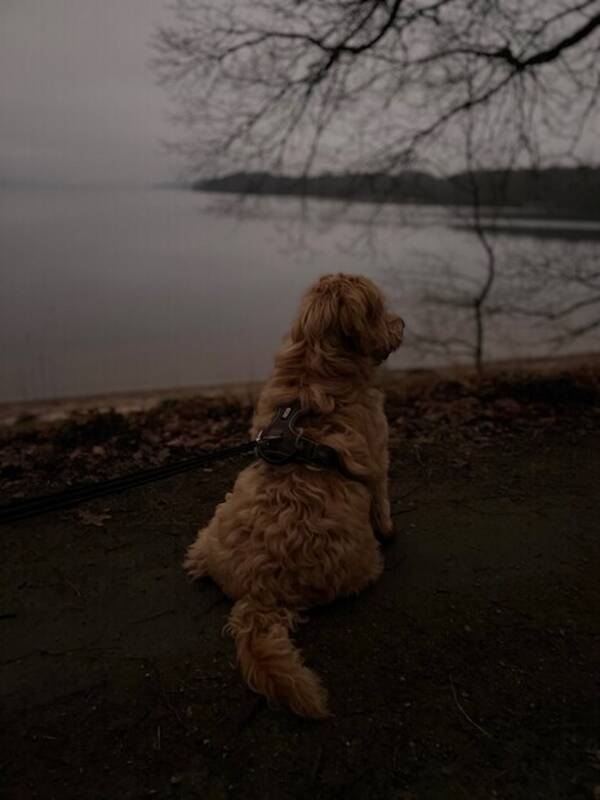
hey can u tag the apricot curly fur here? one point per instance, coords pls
(291, 537)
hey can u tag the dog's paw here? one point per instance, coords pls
(383, 536)
(194, 572)
(195, 564)
(383, 526)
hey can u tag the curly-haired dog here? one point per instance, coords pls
(293, 536)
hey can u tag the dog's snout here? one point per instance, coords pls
(396, 326)
(396, 332)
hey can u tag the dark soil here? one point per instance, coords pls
(471, 670)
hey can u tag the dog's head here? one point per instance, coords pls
(348, 312)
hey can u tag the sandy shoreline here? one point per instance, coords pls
(49, 410)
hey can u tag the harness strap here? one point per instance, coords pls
(280, 443)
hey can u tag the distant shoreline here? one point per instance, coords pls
(554, 193)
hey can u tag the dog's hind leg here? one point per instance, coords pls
(196, 559)
(381, 518)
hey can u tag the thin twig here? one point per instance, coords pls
(67, 582)
(461, 709)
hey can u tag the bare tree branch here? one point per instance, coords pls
(399, 73)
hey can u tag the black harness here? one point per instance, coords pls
(280, 443)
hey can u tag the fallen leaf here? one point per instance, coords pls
(89, 518)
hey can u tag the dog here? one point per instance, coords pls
(293, 536)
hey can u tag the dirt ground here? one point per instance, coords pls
(471, 670)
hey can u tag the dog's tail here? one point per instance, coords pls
(270, 663)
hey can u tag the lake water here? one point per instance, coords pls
(115, 290)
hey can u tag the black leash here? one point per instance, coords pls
(278, 444)
(67, 498)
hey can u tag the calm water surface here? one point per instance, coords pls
(110, 290)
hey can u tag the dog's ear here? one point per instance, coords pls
(365, 325)
(319, 317)
(359, 311)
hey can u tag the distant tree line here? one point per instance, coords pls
(565, 191)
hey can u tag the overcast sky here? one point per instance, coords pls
(78, 102)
